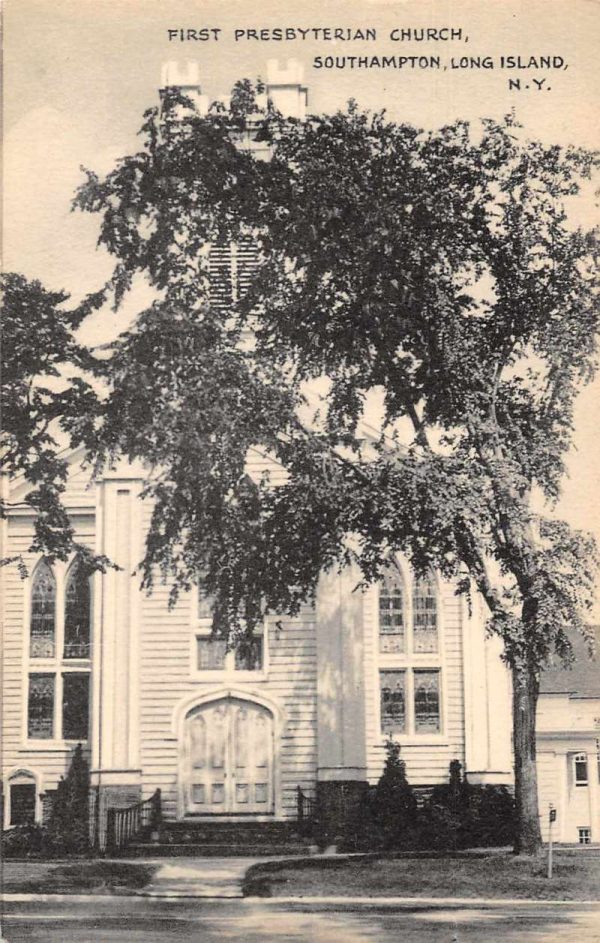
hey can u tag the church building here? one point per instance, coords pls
(159, 703)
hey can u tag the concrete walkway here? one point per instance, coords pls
(197, 877)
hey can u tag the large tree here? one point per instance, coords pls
(43, 394)
(433, 273)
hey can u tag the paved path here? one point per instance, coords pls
(199, 877)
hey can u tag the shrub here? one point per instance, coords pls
(456, 815)
(439, 829)
(394, 805)
(23, 841)
(68, 822)
(493, 816)
(461, 815)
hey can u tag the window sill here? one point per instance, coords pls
(230, 677)
(51, 746)
(418, 740)
(415, 659)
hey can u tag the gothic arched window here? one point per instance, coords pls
(59, 672)
(410, 664)
(42, 626)
(77, 612)
(425, 627)
(391, 613)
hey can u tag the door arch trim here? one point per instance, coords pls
(188, 704)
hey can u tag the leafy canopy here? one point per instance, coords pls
(436, 272)
(43, 394)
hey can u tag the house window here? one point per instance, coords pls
(58, 696)
(585, 836)
(210, 652)
(580, 769)
(22, 803)
(42, 628)
(409, 657)
(248, 654)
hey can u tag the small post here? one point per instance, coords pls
(551, 820)
(111, 832)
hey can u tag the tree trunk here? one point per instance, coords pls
(528, 839)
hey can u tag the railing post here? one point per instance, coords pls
(111, 838)
(96, 840)
(156, 818)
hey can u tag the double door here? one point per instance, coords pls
(229, 758)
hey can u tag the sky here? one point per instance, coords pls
(78, 75)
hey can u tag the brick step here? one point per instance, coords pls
(214, 849)
(225, 832)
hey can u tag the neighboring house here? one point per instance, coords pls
(568, 746)
(159, 703)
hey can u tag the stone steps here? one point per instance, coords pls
(222, 839)
(213, 850)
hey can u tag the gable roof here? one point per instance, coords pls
(582, 678)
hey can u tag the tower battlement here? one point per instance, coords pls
(283, 86)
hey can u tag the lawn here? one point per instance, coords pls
(498, 875)
(81, 877)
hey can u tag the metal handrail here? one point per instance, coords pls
(307, 812)
(124, 825)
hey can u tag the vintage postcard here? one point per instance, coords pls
(300, 471)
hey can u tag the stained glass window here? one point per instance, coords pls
(76, 706)
(425, 629)
(391, 614)
(43, 613)
(77, 613)
(427, 701)
(40, 708)
(393, 701)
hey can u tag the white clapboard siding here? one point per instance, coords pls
(551, 777)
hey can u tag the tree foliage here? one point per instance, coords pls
(68, 823)
(394, 805)
(435, 269)
(435, 272)
(42, 396)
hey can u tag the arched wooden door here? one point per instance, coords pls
(229, 758)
